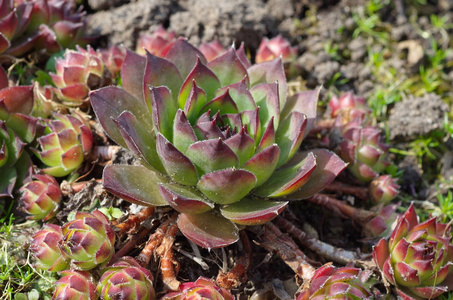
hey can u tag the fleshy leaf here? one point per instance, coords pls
(253, 211)
(243, 145)
(18, 99)
(305, 103)
(204, 78)
(184, 199)
(266, 97)
(178, 166)
(3, 77)
(183, 134)
(209, 230)
(135, 184)
(161, 72)
(211, 155)
(139, 139)
(194, 103)
(328, 166)
(184, 56)
(164, 110)
(228, 68)
(132, 72)
(289, 136)
(227, 186)
(222, 104)
(287, 180)
(7, 181)
(270, 72)
(263, 164)
(240, 94)
(109, 102)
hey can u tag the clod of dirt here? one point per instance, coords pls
(123, 24)
(105, 4)
(416, 116)
(228, 21)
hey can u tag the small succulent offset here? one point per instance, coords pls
(66, 141)
(348, 106)
(126, 280)
(274, 48)
(417, 258)
(113, 58)
(217, 140)
(212, 50)
(158, 43)
(17, 128)
(201, 289)
(329, 282)
(78, 285)
(52, 25)
(77, 73)
(45, 248)
(384, 189)
(381, 224)
(88, 240)
(40, 198)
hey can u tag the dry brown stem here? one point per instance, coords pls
(167, 261)
(133, 221)
(341, 188)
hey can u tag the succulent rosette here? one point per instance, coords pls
(346, 103)
(384, 189)
(126, 280)
(40, 197)
(363, 148)
(158, 43)
(75, 285)
(40, 24)
(417, 258)
(381, 224)
(270, 49)
(202, 288)
(66, 141)
(113, 58)
(88, 240)
(77, 73)
(44, 247)
(217, 140)
(329, 282)
(17, 128)
(212, 50)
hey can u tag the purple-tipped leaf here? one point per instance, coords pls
(289, 179)
(228, 68)
(270, 72)
(132, 72)
(243, 145)
(164, 110)
(135, 184)
(110, 102)
(253, 211)
(184, 199)
(263, 164)
(184, 56)
(328, 166)
(227, 186)
(194, 103)
(139, 139)
(240, 94)
(266, 97)
(223, 104)
(183, 134)
(289, 136)
(211, 155)
(209, 230)
(305, 103)
(178, 166)
(18, 99)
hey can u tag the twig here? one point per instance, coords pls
(330, 252)
(238, 274)
(153, 242)
(347, 211)
(133, 221)
(167, 262)
(132, 242)
(274, 241)
(341, 188)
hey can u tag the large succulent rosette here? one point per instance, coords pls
(17, 128)
(417, 258)
(52, 25)
(329, 282)
(217, 140)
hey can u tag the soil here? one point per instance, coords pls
(315, 28)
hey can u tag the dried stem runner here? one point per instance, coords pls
(338, 187)
(273, 240)
(238, 274)
(133, 221)
(341, 208)
(132, 242)
(167, 261)
(330, 252)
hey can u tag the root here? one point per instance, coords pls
(133, 221)
(167, 262)
(341, 188)
(154, 241)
